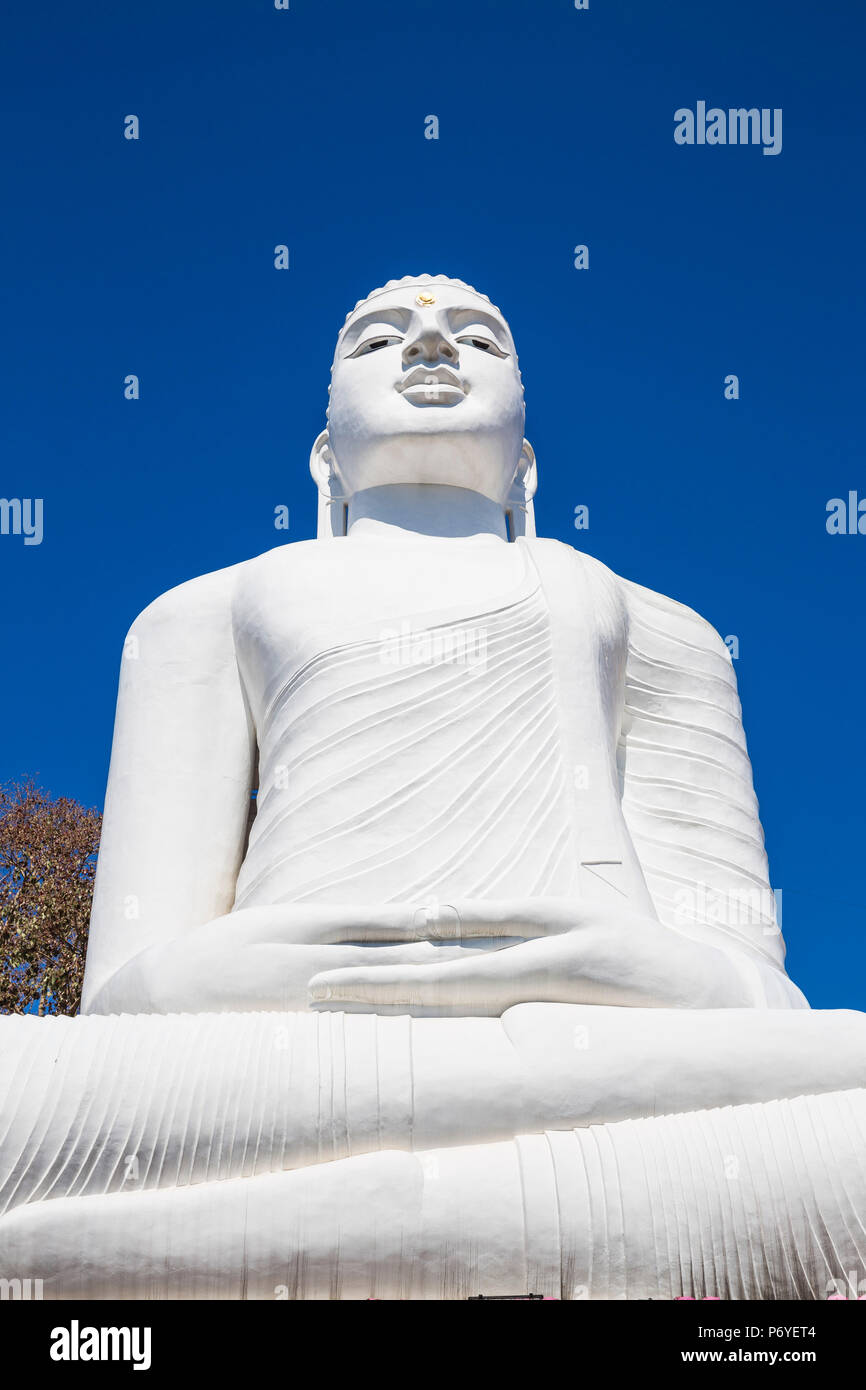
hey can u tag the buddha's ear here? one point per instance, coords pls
(525, 481)
(322, 463)
(526, 476)
(518, 506)
(332, 503)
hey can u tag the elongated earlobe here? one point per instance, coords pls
(519, 511)
(333, 504)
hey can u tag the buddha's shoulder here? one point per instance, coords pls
(572, 564)
(648, 608)
(210, 598)
(644, 606)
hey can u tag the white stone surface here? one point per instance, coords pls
(504, 902)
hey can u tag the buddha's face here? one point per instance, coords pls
(425, 389)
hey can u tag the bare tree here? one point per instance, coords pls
(48, 848)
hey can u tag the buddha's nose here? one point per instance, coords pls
(431, 345)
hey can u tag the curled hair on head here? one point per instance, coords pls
(423, 281)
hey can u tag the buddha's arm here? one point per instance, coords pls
(688, 796)
(178, 797)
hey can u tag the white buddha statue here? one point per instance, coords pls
(489, 995)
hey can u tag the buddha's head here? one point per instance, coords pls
(425, 389)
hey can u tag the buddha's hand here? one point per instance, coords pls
(561, 951)
(264, 958)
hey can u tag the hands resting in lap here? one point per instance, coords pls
(469, 957)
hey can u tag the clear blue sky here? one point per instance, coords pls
(305, 127)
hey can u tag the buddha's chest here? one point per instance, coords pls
(388, 605)
(443, 610)
(414, 721)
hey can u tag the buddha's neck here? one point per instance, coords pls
(408, 510)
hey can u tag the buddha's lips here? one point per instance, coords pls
(436, 382)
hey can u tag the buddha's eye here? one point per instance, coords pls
(373, 345)
(483, 344)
